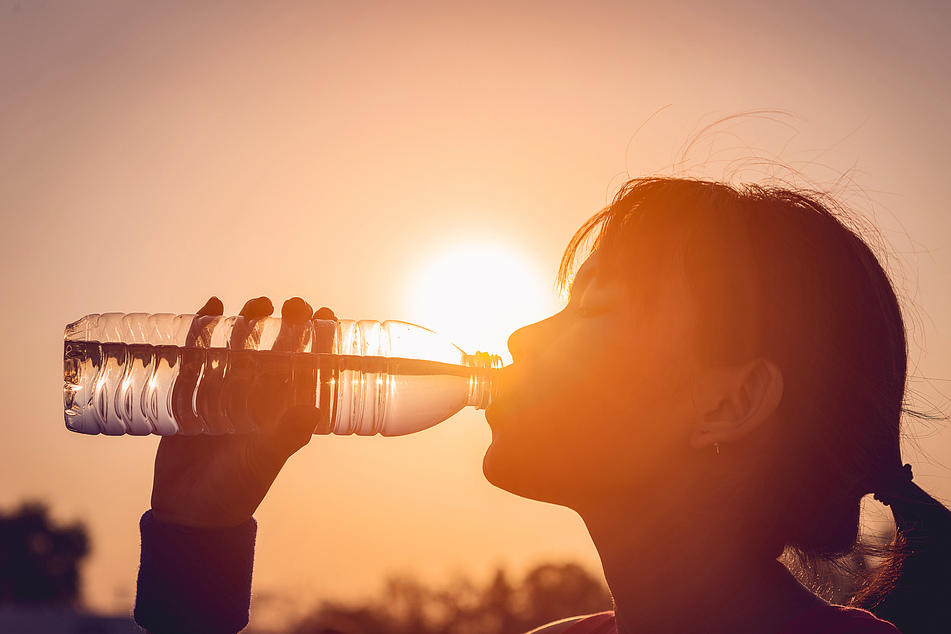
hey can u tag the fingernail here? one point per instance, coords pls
(213, 306)
(325, 313)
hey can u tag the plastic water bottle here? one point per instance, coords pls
(187, 374)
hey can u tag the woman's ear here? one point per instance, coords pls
(734, 401)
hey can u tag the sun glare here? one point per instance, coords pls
(477, 294)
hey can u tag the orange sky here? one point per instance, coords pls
(153, 153)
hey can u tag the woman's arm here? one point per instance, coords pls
(198, 539)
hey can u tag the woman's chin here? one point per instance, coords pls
(501, 470)
(518, 476)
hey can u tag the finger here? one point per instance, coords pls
(296, 311)
(212, 308)
(197, 335)
(243, 329)
(325, 313)
(257, 308)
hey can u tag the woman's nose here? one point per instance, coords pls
(528, 341)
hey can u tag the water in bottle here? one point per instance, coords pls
(184, 374)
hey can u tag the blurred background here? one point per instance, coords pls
(423, 161)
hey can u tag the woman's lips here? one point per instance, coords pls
(505, 383)
(493, 411)
(503, 398)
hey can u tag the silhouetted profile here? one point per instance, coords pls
(39, 561)
(724, 386)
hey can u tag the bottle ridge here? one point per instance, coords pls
(167, 374)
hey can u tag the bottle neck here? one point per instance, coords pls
(483, 380)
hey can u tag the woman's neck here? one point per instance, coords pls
(687, 570)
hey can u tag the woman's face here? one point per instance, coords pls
(595, 401)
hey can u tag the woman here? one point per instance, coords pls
(725, 384)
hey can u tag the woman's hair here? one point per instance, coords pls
(783, 275)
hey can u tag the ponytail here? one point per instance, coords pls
(912, 588)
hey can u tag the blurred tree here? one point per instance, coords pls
(39, 562)
(498, 605)
(554, 591)
(549, 592)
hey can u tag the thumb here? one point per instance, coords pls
(267, 452)
(295, 428)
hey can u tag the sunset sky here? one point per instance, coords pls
(155, 153)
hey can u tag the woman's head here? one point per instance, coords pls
(775, 275)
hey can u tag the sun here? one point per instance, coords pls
(477, 294)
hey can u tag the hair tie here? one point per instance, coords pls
(894, 486)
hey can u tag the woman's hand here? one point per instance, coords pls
(219, 481)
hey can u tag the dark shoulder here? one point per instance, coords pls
(837, 619)
(589, 624)
(557, 627)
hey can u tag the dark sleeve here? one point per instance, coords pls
(194, 580)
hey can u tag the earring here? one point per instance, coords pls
(716, 445)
